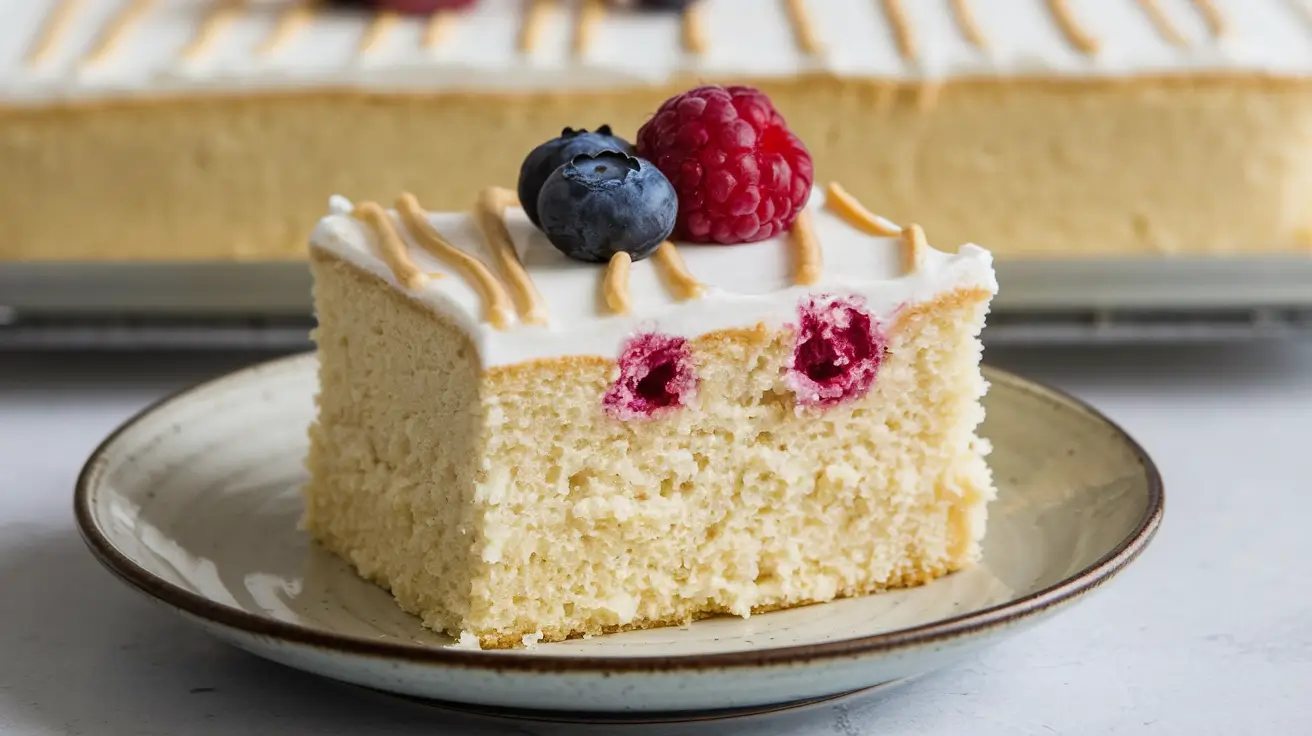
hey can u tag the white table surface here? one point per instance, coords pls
(1210, 632)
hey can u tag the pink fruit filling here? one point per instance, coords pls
(656, 376)
(838, 351)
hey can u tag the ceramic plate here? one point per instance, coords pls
(194, 502)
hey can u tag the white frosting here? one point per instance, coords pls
(747, 39)
(747, 284)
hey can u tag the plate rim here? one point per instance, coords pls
(1066, 590)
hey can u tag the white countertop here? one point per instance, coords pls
(1209, 633)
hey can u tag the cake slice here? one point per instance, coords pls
(524, 439)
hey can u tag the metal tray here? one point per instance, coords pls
(48, 304)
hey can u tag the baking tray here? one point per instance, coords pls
(49, 304)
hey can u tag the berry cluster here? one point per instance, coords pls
(713, 165)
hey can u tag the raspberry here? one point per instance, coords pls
(741, 174)
(423, 7)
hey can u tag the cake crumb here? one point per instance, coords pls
(531, 640)
(468, 641)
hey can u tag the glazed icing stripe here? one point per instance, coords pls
(1070, 27)
(490, 212)
(379, 28)
(897, 17)
(1212, 14)
(804, 34)
(49, 39)
(585, 27)
(595, 307)
(914, 248)
(838, 201)
(292, 20)
(1163, 23)
(675, 273)
(535, 21)
(438, 26)
(692, 30)
(53, 30)
(115, 31)
(966, 23)
(500, 312)
(219, 18)
(390, 247)
(615, 284)
(809, 264)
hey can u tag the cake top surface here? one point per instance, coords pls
(686, 290)
(56, 49)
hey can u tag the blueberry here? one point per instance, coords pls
(600, 204)
(555, 153)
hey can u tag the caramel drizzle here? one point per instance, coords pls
(500, 312)
(803, 29)
(809, 259)
(838, 201)
(535, 22)
(292, 20)
(1163, 23)
(965, 18)
(115, 31)
(437, 27)
(490, 213)
(897, 16)
(377, 32)
(585, 28)
(1212, 14)
(615, 286)
(53, 31)
(914, 248)
(219, 18)
(675, 274)
(692, 30)
(390, 248)
(1070, 27)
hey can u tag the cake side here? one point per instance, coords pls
(577, 523)
(253, 180)
(395, 446)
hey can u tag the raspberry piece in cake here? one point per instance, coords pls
(741, 174)
(839, 349)
(656, 375)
